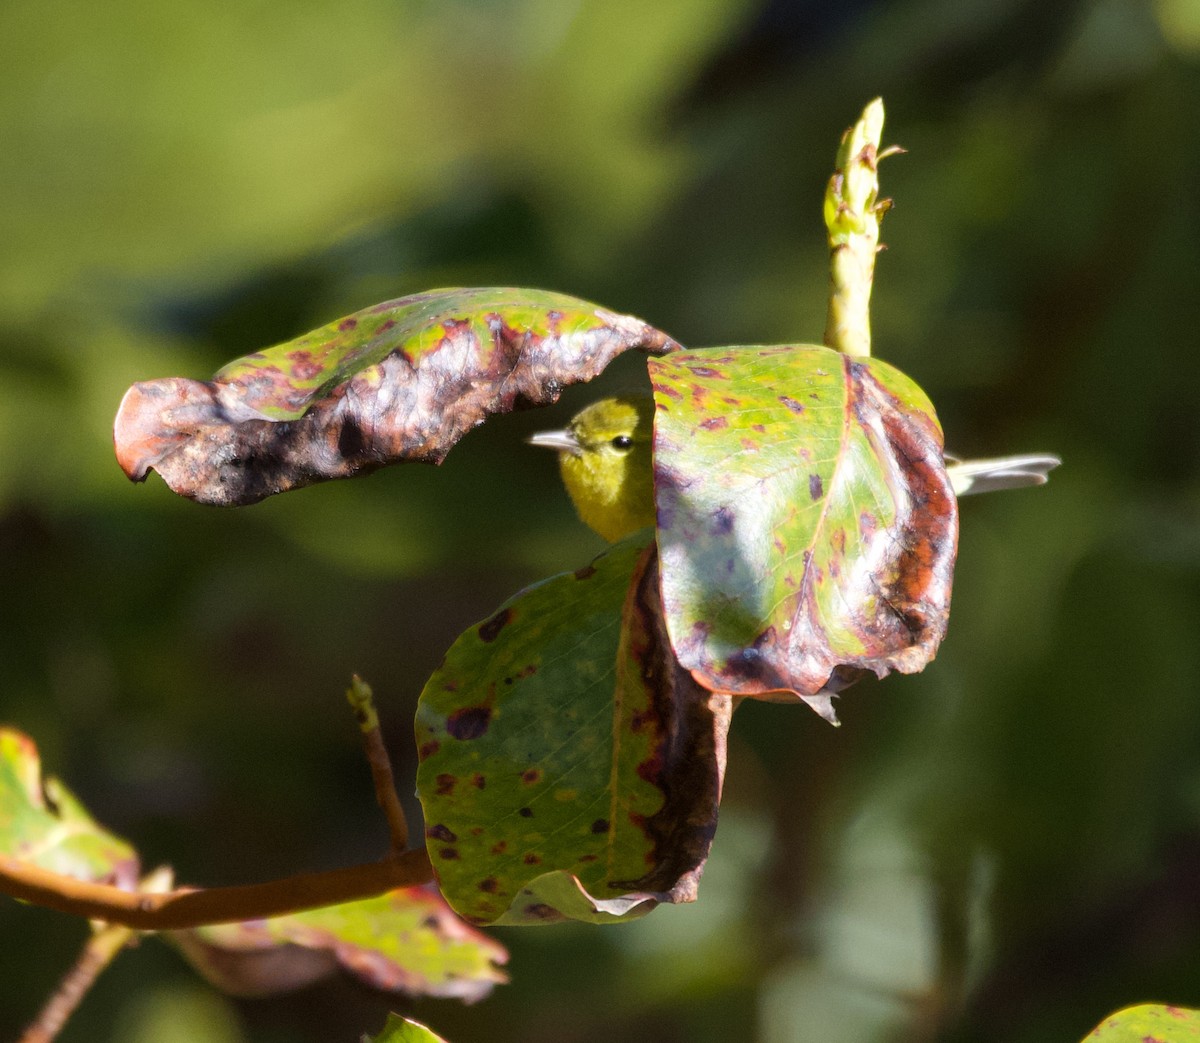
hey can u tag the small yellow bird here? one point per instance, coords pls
(605, 457)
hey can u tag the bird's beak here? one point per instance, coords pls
(563, 441)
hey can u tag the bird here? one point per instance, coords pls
(605, 458)
(1000, 472)
(604, 455)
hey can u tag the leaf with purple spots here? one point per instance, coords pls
(400, 381)
(569, 768)
(1148, 1023)
(407, 940)
(812, 535)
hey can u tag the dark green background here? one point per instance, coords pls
(1004, 848)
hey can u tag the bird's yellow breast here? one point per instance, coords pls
(606, 462)
(613, 493)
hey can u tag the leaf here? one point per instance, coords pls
(568, 767)
(403, 1030)
(403, 380)
(806, 525)
(407, 940)
(43, 824)
(1149, 1023)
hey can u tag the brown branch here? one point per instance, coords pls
(177, 910)
(100, 950)
(158, 910)
(361, 699)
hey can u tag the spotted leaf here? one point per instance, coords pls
(43, 824)
(1149, 1023)
(407, 940)
(568, 767)
(806, 525)
(403, 380)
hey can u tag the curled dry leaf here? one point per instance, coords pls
(569, 767)
(403, 380)
(806, 525)
(407, 940)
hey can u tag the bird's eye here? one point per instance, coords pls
(622, 442)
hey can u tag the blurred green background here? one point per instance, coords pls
(1006, 847)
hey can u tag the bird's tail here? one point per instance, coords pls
(1002, 472)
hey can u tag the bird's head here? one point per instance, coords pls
(605, 457)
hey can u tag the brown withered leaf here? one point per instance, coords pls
(400, 381)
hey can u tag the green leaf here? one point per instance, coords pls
(403, 1030)
(407, 940)
(403, 380)
(1149, 1023)
(42, 823)
(806, 525)
(568, 767)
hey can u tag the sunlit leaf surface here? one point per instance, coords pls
(805, 521)
(1148, 1023)
(41, 821)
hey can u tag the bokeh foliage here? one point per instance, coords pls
(1004, 847)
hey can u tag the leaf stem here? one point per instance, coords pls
(106, 941)
(853, 211)
(99, 951)
(155, 908)
(361, 699)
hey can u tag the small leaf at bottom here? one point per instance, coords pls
(407, 940)
(404, 1030)
(1148, 1023)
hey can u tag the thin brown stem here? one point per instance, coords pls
(159, 910)
(362, 700)
(177, 910)
(100, 950)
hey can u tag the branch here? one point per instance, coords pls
(180, 909)
(102, 947)
(154, 909)
(361, 699)
(100, 950)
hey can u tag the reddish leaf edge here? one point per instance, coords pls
(913, 598)
(280, 955)
(255, 430)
